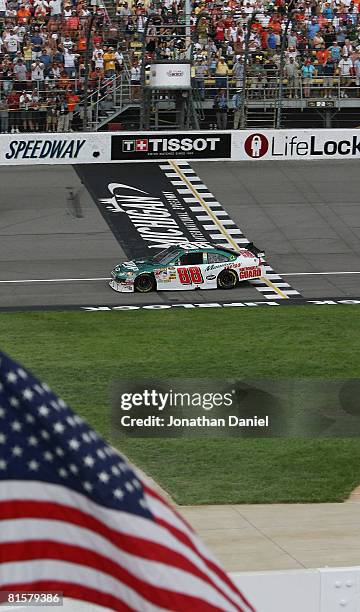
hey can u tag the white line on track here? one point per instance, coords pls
(76, 280)
(315, 273)
(53, 280)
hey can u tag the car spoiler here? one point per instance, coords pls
(253, 249)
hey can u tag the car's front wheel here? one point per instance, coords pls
(145, 283)
(227, 279)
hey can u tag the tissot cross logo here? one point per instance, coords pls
(141, 144)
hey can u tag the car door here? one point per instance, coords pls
(187, 272)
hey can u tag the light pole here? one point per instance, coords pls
(86, 73)
(246, 54)
(279, 101)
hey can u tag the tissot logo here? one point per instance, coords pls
(201, 146)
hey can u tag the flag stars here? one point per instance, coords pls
(16, 426)
(59, 427)
(59, 451)
(129, 487)
(22, 373)
(2, 412)
(89, 461)
(33, 441)
(33, 465)
(73, 468)
(104, 477)
(74, 444)
(115, 470)
(44, 434)
(17, 451)
(38, 389)
(118, 494)
(63, 473)
(14, 402)
(86, 437)
(100, 453)
(28, 394)
(48, 456)
(43, 410)
(46, 387)
(87, 486)
(11, 377)
(2, 438)
(71, 421)
(3, 464)
(29, 418)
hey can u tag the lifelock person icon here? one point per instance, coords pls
(256, 145)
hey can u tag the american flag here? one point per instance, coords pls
(77, 519)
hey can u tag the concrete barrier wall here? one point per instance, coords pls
(315, 590)
(109, 147)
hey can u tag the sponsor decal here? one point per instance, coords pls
(256, 145)
(44, 149)
(293, 302)
(175, 73)
(249, 273)
(294, 146)
(151, 217)
(202, 146)
(211, 277)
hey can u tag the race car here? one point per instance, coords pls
(189, 266)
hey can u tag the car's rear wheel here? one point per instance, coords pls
(227, 279)
(145, 283)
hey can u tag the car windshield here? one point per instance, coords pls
(166, 255)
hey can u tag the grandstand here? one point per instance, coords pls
(80, 65)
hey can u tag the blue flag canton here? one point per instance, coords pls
(42, 439)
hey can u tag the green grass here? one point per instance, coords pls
(80, 353)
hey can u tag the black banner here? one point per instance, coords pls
(141, 207)
(180, 146)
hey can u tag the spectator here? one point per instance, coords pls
(63, 115)
(345, 69)
(308, 72)
(221, 73)
(200, 74)
(291, 71)
(37, 74)
(237, 101)
(221, 109)
(4, 116)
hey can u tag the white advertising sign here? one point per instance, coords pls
(170, 76)
(301, 145)
(228, 145)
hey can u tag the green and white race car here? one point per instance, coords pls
(189, 266)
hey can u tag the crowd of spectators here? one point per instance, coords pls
(43, 52)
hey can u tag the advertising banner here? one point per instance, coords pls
(154, 145)
(229, 145)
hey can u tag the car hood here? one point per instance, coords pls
(138, 266)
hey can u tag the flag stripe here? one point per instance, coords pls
(76, 575)
(48, 549)
(160, 508)
(101, 520)
(167, 576)
(73, 591)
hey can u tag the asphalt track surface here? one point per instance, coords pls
(306, 216)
